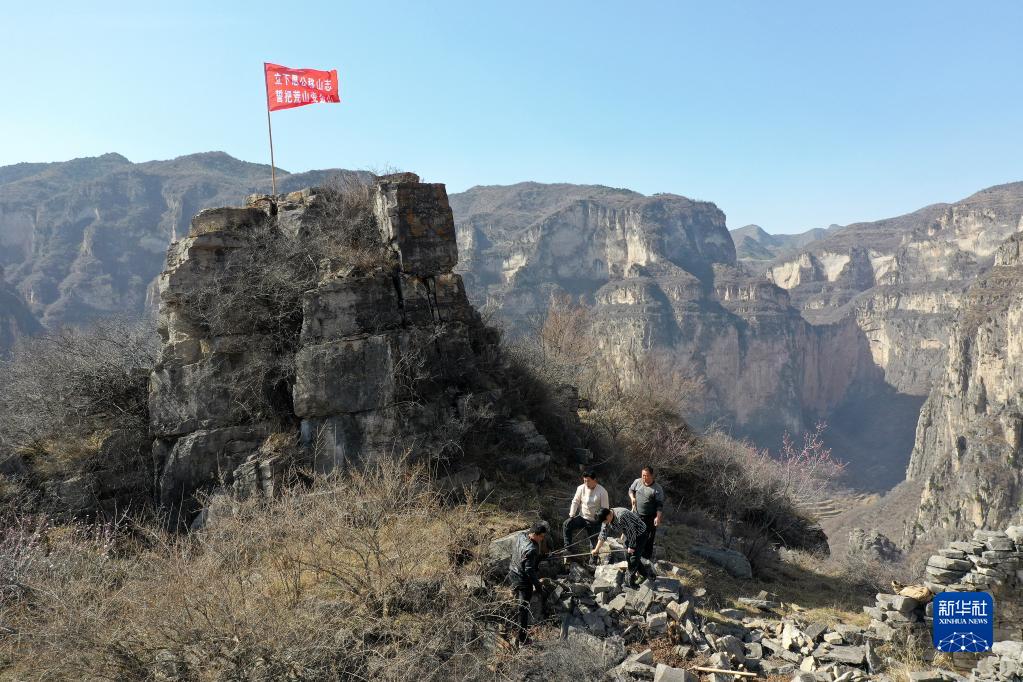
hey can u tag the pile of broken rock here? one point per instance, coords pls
(601, 615)
(606, 619)
(593, 605)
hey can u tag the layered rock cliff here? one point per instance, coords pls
(519, 244)
(660, 273)
(903, 278)
(970, 433)
(379, 357)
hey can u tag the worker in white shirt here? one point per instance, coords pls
(589, 499)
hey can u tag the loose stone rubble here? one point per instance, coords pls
(766, 637)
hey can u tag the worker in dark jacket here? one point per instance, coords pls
(647, 498)
(524, 573)
(622, 522)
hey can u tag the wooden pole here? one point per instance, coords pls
(273, 171)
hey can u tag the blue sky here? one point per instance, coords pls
(789, 114)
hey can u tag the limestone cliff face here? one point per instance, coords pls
(390, 358)
(660, 273)
(970, 433)
(903, 279)
(521, 243)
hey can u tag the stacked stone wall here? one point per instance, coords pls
(991, 561)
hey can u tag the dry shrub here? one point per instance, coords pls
(554, 659)
(762, 501)
(351, 581)
(71, 382)
(652, 388)
(872, 575)
(74, 405)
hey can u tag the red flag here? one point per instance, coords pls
(288, 88)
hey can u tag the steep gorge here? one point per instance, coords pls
(969, 440)
(660, 274)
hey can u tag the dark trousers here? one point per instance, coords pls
(636, 564)
(569, 528)
(651, 531)
(523, 594)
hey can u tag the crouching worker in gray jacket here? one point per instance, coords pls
(524, 573)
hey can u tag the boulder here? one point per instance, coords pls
(732, 646)
(640, 599)
(224, 219)
(346, 376)
(732, 561)
(664, 673)
(657, 624)
(347, 307)
(853, 655)
(499, 553)
(415, 220)
(873, 544)
(204, 459)
(677, 611)
(762, 604)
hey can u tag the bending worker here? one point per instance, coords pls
(524, 573)
(621, 521)
(590, 498)
(648, 501)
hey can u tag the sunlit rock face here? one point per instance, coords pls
(849, 323)
(660, 274)
(903, 278)
(969, 437)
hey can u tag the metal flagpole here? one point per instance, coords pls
(273, 172)
(269, 129)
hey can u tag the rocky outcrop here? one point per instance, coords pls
(968, 439)
(389, 358)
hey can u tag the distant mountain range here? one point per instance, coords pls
(754, 244)
(85, 238)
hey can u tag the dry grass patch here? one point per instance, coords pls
(354, 580)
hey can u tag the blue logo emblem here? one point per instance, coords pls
(963, 621)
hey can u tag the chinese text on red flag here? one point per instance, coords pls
(287, 88)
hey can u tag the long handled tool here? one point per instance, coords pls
(572, 556)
